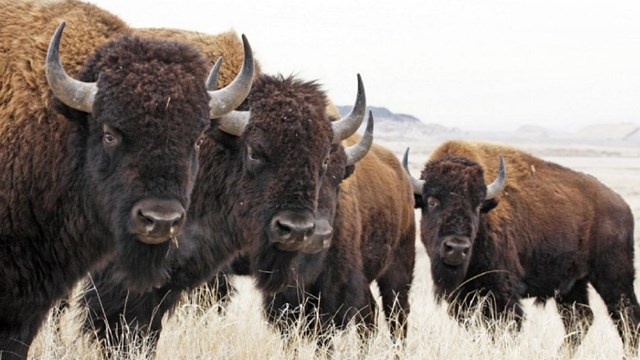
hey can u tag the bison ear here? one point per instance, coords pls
(488, 205)
(418, 203)
(68, 112)
(348, 170)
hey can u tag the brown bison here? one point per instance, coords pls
(544, 231)
(373, 238)
(95, 166)
(259, 189)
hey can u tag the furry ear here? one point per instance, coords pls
(418, 202)
(68, 112)
(348, 171)
(488, 205)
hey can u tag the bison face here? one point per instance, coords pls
(141, 111)
(287, 158)
(288, 146)
(290, 166)
(452, 200)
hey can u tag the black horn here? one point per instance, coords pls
(358, 151)
(498, 184)
(225, 100)
(75, 94)
(416, 184)
(348, 125)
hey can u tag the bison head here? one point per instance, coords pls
(452, 195)
(291, 164)
(141, 108)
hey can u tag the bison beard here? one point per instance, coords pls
(147, 262)
(447, 279)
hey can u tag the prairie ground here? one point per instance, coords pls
(198, 330)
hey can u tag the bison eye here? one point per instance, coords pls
(325, 164)
(110, 139)
(254, 160)
(110, 136)
(432, 202)
(252, 155)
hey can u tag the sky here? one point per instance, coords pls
(470, 64)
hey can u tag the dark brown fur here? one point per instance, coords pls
(65, 198)
(552, 231)
(373, 239)
(235, 198)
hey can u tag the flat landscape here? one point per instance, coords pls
(199, 330)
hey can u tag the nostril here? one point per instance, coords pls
(310, 231)
(283, 229)
(145, 220)
(448, 249)
(178, 221)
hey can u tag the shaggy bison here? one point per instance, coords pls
(92, 167)
(544, 231)
(373, 238)
(261, 187)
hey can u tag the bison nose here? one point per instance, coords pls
(321, 238)
(156, 221)
(289, 228)
(455, 250)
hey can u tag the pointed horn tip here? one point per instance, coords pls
(369, 129)
(361, 86)
(499, 183)
(247, 46)
(55, 40)
(405, 159)
(503, 166)
(212, 79)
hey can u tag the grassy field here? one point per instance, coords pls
(198, 330)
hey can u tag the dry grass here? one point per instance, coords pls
(198, 330)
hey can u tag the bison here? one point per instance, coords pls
(261, 187)
(373, 239)
(97, 166)
(542, 231)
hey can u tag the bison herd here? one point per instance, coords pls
(123, 158)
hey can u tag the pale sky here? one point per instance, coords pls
(471, 64)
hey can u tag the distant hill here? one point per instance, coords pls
(393, 125)
(396, 130)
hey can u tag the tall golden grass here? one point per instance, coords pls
(199, 330)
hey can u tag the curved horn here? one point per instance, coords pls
(498, 184)
(234, 122)
(416, 184)
(358, 151)
(211, 83)
(73, 93)
(346, 126)
(223, 101)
